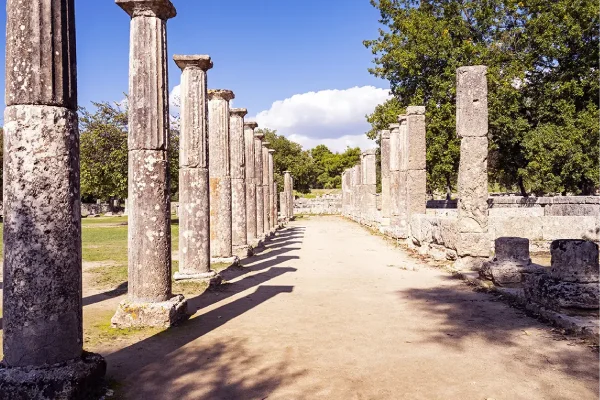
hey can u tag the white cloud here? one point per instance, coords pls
(335, 118)
(174, 98)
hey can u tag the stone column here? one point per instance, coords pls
(238, 182)
(42, 316)
(472, 128)
(272, 192)
(369, 185)
(416, 159)
(221, 243)
(283, 205)
(292, 198)
(150, 301)
(266, 189)
(288, 190)
(258, 176)
(385, 177)
(274, 197)
(358, 192)
(398, 168)
(194, 210)
(250, 182)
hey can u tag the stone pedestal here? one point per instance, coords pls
(511, 264)
(472, 128)
(258, 176)
(221, 243)
(250, 181)
(238, 183)
(194, 212)
(573, 280)
(42, 308)
(149, 227)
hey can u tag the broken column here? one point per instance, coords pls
(250, 182)
(416, 160)
(385, 177)
(511, 262)
(272, 192)
(42, 315)
(258, 177)
(369, 185)
(221, 243)
(150, 301)
(572, 282)
(238, 182)
(472, 127)
(194, 210)
(266, 189)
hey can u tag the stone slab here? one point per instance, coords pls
(163, 314)
(557, 295)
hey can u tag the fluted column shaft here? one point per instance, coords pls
(272, 192)
(250, 181)
(258, 176)
(266, 189)
(385, 174)
(238, 178)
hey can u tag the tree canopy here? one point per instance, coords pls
(543, 76)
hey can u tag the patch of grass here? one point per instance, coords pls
(316, 192)
(108, 277)
(100, 331)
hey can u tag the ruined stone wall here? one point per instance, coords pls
(330, 204)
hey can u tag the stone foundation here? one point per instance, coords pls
(132, 314)
(72, 380)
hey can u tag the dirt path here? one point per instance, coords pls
(330, 313)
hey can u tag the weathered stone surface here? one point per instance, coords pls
(221, 242)
(272, 192)
(394, 147)
(530, 227)
(237, 143)
(417, 151)
(158, 314)
(250, 180)
(149, 226)
(42, 236)
(258, 178)
(473, 185)
(266, 189)
(385, 174)
(556, 294)
(283, 204)
(508, 272)
(473, 244)
(194, 217)
(555, 228)
(238, 201)
(288, 189)
(162, 9)
(512, 249)
(471, 102)
(416, 191)
(48, 75)
(260, 216)
(575, 261)
(238, 178)
(76, 379)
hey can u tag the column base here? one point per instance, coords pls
(140, 314)
(211, 277)
(77, 379)
(234, 260)
(243, 251)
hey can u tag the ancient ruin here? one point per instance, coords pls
(150, 300)
(238, 183)
(267, 188)
(251, 221)
(258, 177)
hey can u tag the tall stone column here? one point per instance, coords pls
(258, 176)
(266, 189)
(150, 301)
(398, 172)
(238, 182)
(272, 192)
(194, 210)
(292, 198)
(385, 177)
(274, 197)
(42, 315)
(358, 192)
(283, 205)
(219, 169)
(289, 193)
(416, 159)
(472, 128)
(369, 185)
(250, 182)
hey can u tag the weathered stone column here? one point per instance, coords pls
(266, 189)
(398, 172)
(258, 176)
(386, 212)
(472, 128)
(221, 243)
(283, 206)
(416, 159)
(358, 192)
(272, 192)
(292, 198)
(250, 182)
(194, 210)
(42, 316)
(150, 301)
(288, 190)
(369, 185)
(274, 197)
(238, 183)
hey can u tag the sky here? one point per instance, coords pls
(298, 66)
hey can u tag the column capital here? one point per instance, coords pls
(370, 152)
(195, 61)
(239, 112)
(271, 151)
(222, 94)
(393, 126)
(250, 124)
(415, 110)
(162, 9)
(259, 136)
(402, 118)
(385, 134)
(266, 144)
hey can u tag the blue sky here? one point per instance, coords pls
(266, 51)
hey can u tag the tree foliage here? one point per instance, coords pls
(543, 75)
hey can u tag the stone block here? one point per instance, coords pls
(508, 272)
(516, 212)
(139, 314)
(592, 210)
(555, 228)
(473, 244)
(556, 294)
(527, 227)
(575, 261)
(473, 185)
(471, 101)
(416, 191)
(514, 249)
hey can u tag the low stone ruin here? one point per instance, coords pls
(511, 263)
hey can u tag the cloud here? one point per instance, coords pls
(333, 116)
(336, 145)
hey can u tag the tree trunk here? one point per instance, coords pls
(522, 187)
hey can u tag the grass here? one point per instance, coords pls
(316, 192)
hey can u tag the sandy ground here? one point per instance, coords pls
(329, 313)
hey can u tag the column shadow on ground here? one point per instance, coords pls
(468, 315)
